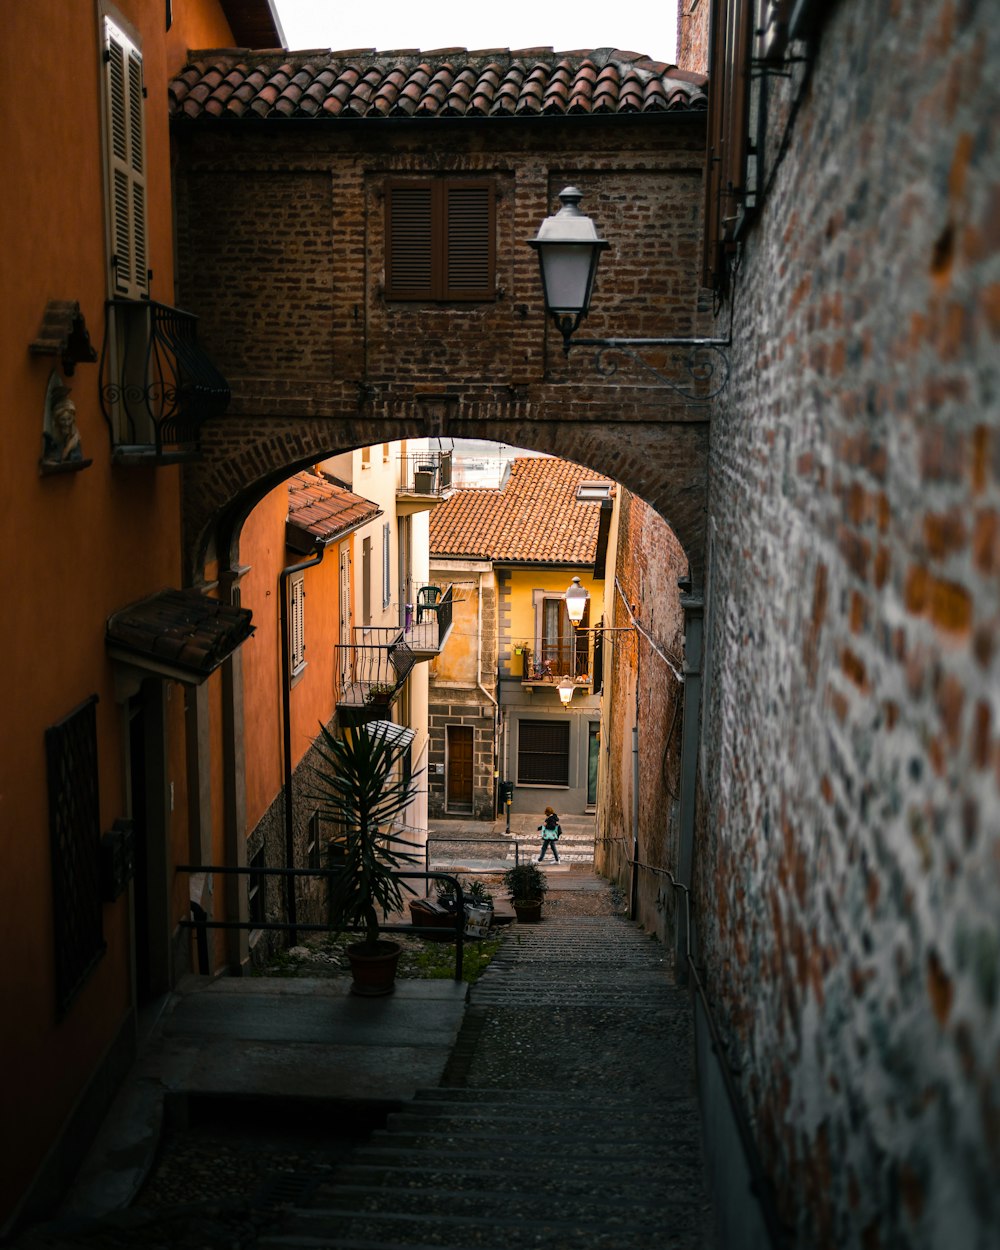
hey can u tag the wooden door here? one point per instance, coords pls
(459, 768)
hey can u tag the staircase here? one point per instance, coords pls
(567, 1117)
(450, 849)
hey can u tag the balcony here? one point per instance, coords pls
(550, 664)
(371, 670)
(424, 480)
(427, 618)
(158, 386)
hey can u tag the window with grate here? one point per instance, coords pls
(75, 835)
(440, 239)
(543, 753)
(124, 135)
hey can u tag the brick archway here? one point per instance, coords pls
(664, 462)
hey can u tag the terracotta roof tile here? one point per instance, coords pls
(535, 518)
(239, 83)
(320, 510)
(183, 628)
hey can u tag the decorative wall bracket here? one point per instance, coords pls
(704, 362)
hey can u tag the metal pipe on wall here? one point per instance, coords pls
(286, 730)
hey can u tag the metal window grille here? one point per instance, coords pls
(75, 833)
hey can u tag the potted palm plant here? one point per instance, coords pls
(361, 789)
(526, 885)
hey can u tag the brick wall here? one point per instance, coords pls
(649, 562)
(692, 35)
(847, 854)
(281, 243)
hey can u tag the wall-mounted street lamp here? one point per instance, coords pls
(565, 689)
(575, 597)
(569, 249)
(576, 601)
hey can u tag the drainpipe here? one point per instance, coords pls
(286, 736)
(694, 612)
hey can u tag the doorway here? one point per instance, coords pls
(459, 768)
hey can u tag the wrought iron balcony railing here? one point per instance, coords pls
(425, 473)
(158, 387)
(427, 616)
(551, 663)
(371, 671)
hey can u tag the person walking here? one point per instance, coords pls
(550, 832)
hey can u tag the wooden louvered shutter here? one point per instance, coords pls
(469, 241)
(126, 163)
(409, 262)
(440, 240)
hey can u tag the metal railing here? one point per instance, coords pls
(425, 473)
(157, 384)
(553, 662)
(372, 669)
(201, 924)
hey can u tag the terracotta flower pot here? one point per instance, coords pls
(373, 967)
(528, 911)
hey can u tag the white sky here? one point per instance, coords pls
(649, 27)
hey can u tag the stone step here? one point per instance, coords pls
(468, 1172)
(548, 1200)
(614, 1230)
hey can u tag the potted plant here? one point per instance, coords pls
(526, 885)
(361, 788)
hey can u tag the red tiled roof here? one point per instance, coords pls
(534, 518)
(319, 510)
(237, 83)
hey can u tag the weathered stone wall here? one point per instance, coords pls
(464, 707)
(649, 562)
(848, 855)
(281, 246)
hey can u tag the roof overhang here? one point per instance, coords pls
(254, 23)
(180, 635)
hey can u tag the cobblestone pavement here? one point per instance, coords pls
(227, 1185)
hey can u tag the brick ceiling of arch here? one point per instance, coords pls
(664, 463)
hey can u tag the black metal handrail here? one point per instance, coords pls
(201, 924)
(158, 386)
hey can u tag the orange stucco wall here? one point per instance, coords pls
(77, 546)
(262, 548)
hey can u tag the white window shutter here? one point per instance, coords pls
(125, 115)
(297, 623)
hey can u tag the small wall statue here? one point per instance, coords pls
(61, 438)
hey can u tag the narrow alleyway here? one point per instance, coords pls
(565, 1116)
